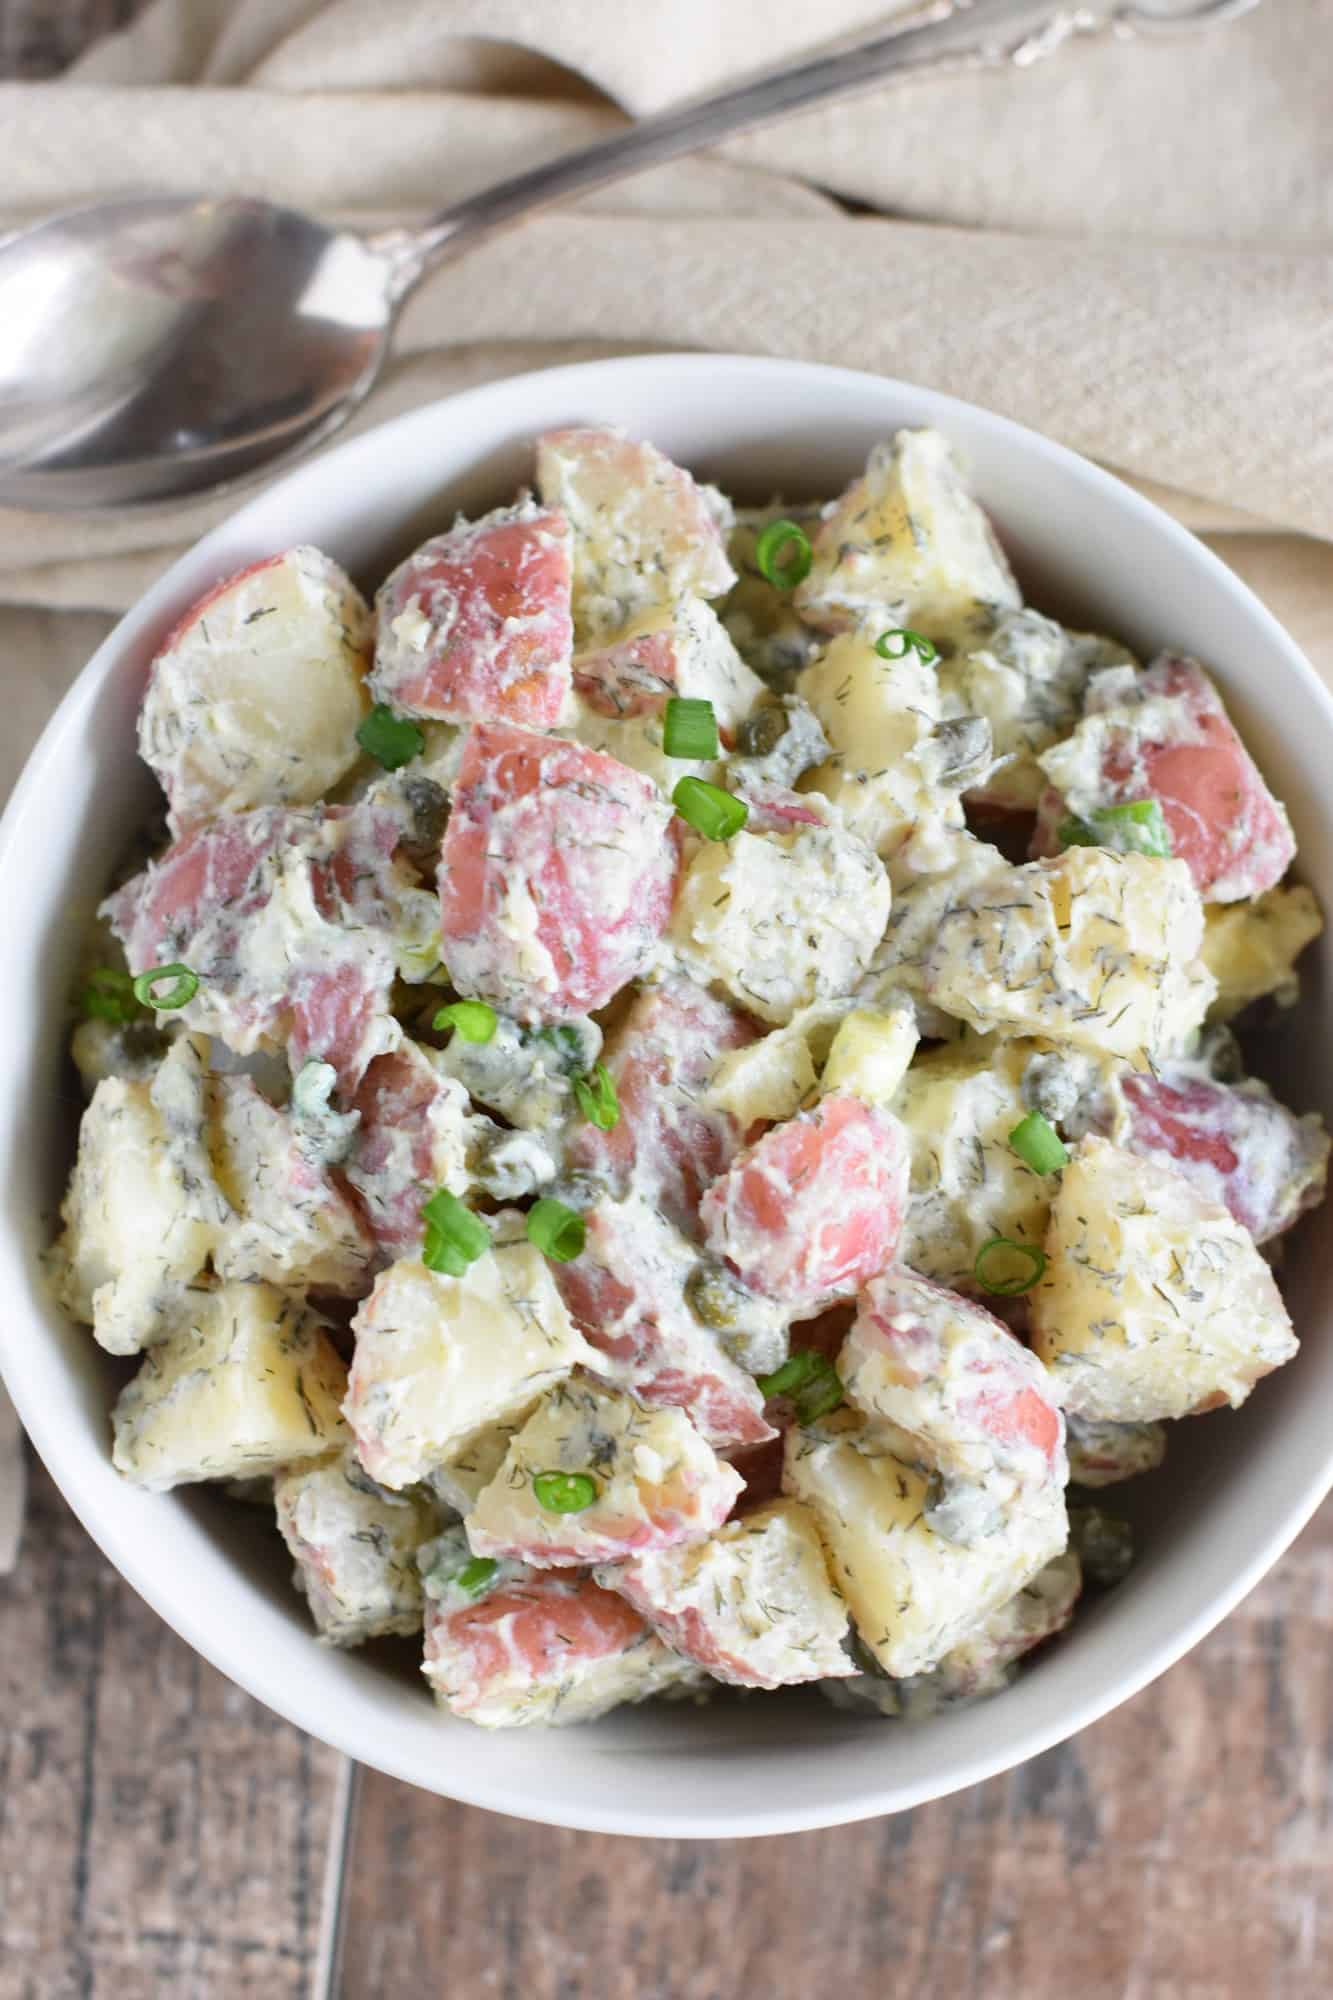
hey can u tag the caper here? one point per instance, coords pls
(959, 1511)
(1103, 1543)
(961, 749)
(715, 1299)
(762, 731)
(748, 1329)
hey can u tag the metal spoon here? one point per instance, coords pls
(165, 347)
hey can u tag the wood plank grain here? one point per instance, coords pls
(160, 1833)
(1180, 1850)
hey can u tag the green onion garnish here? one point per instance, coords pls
(901, 639)
(108, 996)
(1137, 827)
(783, 554)
(390, 739)
(1036, 1141)
(595, 1095)
(472, 1020)
(810, 1379)
(184, 986)
(994, 1269)
(475, 1575)
(455, 1237)
(564, 1492)
(708, 809)
(557, 1231)
(690, 728)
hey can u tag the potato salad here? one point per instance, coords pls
(669, 1094)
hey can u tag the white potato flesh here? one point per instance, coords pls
(439, 1358)
(928, 873)
(958, 1105)
(753, 1605)
(768, 1079)
(652, 1480)
(981, 1664)
(914, 1595)
(527, 1646)
(141, 1214)
(678, 650)
(1154, 1302)
(248, 1380)
(781, 920)
(256, 696)
(1027, 677)
(1094, 948)
(355, 1548)
(290, 1224)
(644, 533)
(476, 1462)
(1251, 947)
(906, 545)
(878, 716)
(870, 1054)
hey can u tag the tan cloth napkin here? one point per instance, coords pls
(1129, 246)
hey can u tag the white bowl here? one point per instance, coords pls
(1236, 1488)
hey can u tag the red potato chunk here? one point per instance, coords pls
(644, 532)
(1233, 1141)
(626, 1294)
(1165, 735)
(557, 875)
(753, 1604)
(646, 1480)
(412, 1139)
(814, 1209)
(540, 1646)
(476, 625)
(666, 1145)
(976, 1404)
(287, 918)
(255, 696)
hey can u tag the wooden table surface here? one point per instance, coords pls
(162, 1835)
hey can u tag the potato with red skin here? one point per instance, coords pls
(813, 1209)
(1234, 1141)
(288, 920)
(950, 1376)
(644, 533)
(667, 1143)
(412, 1139)
(626, 1295)
(256, 693)
(652, 1482)
(1165, 735)
(476, 624)
(557, 874)
(536, 1646)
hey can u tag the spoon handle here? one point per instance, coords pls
(980, 32)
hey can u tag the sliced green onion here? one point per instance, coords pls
(472, 1020)
(564, 1492)
(390, 739)
(900, 640)
(810, 1379)
(595, 1095)
(475, 1575)
(783, 554)
(995, 1270)
(184, 986)
(455, 1237)
(109, 996)
(1137, 827)
(690, 728)
(557, 1231)
(1036, 1141)
(708, 809)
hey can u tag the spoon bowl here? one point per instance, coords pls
(159, 347)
